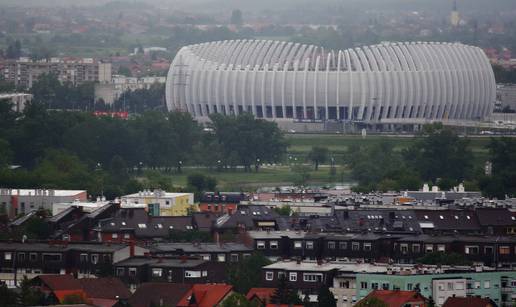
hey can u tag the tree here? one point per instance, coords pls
(325, 298)
(371, 302)
(238, 300)
(8, 297)
(284, 294)
(199, 183)
(283, 210)
(318, 155)
(5, 154)
(302, 174)
(439, 258)
(236, 18)
(502, 154)
(440, 153)
(30, 296)
(247, 273)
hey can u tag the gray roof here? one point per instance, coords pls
(47, 247)
(161, 262)
(200, 247)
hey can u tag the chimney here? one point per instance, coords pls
(131, 248)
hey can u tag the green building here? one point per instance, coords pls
(500, 286)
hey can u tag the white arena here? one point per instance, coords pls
(390, 83)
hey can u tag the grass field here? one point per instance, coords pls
(299, 146)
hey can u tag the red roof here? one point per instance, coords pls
(205, 295)
(263, 294)
(468, 302)
(60, 282)
(397, 298)
(106, 288)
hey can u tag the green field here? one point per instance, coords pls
(299, 146)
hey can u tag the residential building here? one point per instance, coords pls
(30, 259)
(161, 203)
(22, 201)
(221, 202)
(111, 91)
(138, 270)
(24, 71)
(261, 296)
(18, 101)
(216, 252)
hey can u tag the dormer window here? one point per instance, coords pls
(142, 226)
(441, 217)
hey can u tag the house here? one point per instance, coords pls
(398, 298)
(206, 295)
(307, 277)
(216, 252)
(221, 202)
(161, 203)
(139, 270)
(468, 302)
(104, 292)
(260, 295)
(496, 221)
(31, 259)
(158, 294)
(59, 287)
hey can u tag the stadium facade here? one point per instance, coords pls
(290, 82)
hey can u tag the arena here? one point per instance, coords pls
(390, 83)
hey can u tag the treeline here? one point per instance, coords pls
(61, 149)
(439, 157)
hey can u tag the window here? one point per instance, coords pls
(374, 285)
(344, 284)
(385, 286)
(450, 286)
(331, 245)
(193, 274)
(440, 300)
(476, 285)
(204, 273)
(51, 257)
(94, 258)
(487, 284)
(416, 248)
(309, 244)
(504, 250)
(269, 275)
(83, 257)
(120, 271)
(292, 276)
(281, 275)
(367, 246)
(127, 236)
(429, 248)
(273, 244)
(355, 246)
(440, 286)
(234, 258)
(409, 287)
(260, 244)
(142, 226)
(205, 257)
(8, 256)
(114, 236)
(363, 285)
(310, 277)
(221, 257)
(343, 245)
(471, 250)
(132, 271)
(459, 286)
(404, 248)
(21, 257)
(298, 244)
(440, 247)
(488, 250)
(156, 272)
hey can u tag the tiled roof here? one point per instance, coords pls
(396, 298)
(60, 282)
(205, 295)
(468, 302)
(263, 294)
(158, 294)
(107, 288)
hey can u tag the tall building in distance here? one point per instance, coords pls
(454, 16)
(390, 83)
(23, 72)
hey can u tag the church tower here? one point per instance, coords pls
(454, 17)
